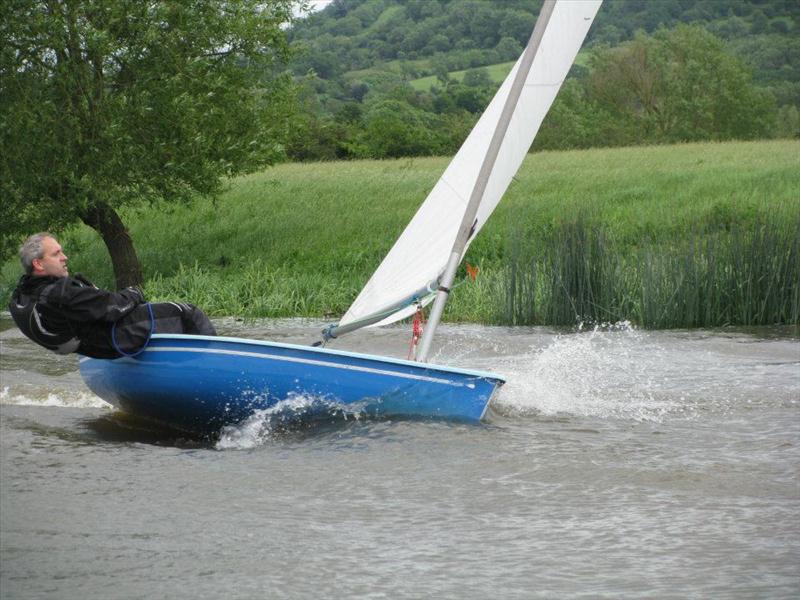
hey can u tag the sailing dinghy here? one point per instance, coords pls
(200, 383)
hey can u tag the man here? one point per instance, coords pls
(70, 314)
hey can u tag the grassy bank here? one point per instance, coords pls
(605, 234)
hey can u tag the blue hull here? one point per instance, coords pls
(200, 383)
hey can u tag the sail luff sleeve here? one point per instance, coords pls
(468, 221)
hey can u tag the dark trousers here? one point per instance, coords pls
(133, 330)
(172, 317)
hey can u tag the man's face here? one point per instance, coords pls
(53, 261)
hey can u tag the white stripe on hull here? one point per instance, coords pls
(318, 363)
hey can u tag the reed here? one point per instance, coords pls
(748, 275)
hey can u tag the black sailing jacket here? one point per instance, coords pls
(70, 314)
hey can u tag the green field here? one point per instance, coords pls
(651, 234)
(497, 73)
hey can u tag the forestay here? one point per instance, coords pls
(410, 272)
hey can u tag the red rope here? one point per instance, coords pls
(419, 317)
(416, 331)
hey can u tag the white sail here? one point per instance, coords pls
(419, 256)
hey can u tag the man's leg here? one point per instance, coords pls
(172, 317)
(132, 332)
(195, 320)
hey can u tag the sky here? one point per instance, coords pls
(315, 5)
(319, 4)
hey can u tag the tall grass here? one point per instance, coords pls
(256, 291)
(569, 276)
(748, 275)
(667, 236)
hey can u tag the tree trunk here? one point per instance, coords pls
(105, 220)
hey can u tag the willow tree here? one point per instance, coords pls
(106, 104)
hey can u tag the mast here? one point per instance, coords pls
(468, 221)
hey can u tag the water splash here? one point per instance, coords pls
(295, 412)
(609, 371)
(65, 399)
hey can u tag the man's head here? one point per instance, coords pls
(41, 255)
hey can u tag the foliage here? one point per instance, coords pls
(678, 85)
(395, 128)
(749, 275)
(732, 59)
(112, 103)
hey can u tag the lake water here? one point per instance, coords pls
(618, 464)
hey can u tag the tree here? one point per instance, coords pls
(477, 78)
(108, 104)
(394, 128)
(678, 85)
(508, 49)
(572, 122)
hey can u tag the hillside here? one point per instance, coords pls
(358, 60)
(365, 34)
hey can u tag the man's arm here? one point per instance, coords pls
(79, 300)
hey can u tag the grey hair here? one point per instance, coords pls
(32, 249)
